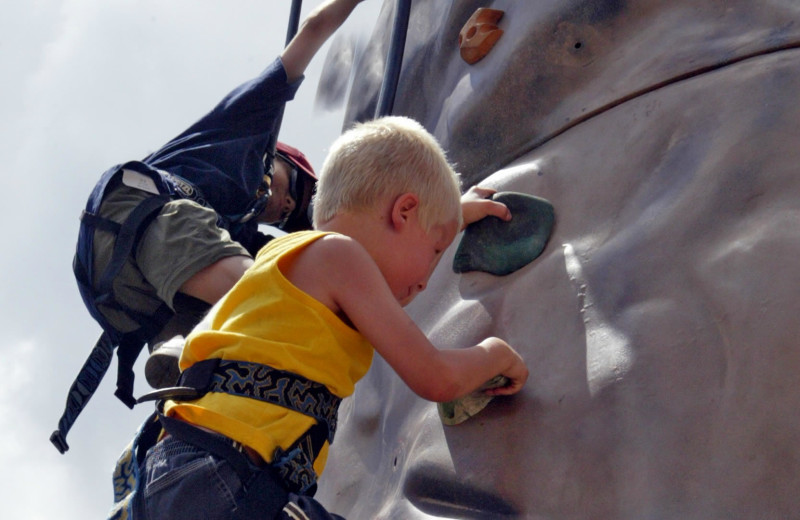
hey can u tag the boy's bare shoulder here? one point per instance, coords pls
(327, 268)
(335, 253)
(336, 244)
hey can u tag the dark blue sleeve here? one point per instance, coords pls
(222, 153)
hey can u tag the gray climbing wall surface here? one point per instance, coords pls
(660, 323)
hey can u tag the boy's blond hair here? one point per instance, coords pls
(381, 159)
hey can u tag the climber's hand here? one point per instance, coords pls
(476, 205)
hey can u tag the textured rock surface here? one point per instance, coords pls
(660, 323)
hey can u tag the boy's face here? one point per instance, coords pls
(415, 258)
(281, 203)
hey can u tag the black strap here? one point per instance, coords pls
(128, 238)
(130, 344)
(296, 464)
(256, 381)
(125, 244)
(264, 383)
(83, 388)
(128, 351)
(217, 445)
(98, 222)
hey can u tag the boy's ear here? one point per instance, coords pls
(404, 206)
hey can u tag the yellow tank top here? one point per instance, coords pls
(265, 319)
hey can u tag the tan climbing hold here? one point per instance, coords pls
(479, 34)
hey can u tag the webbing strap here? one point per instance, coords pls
(129, 349)
(95, 221)
(130, 344)
(215, 444)
(127, 239)
(256, 381)
(83, 388)
(296, 464)
(278, 387)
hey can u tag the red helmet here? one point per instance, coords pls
(302, 183)
(297, 158)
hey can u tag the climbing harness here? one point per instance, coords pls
(278, 387)
(263, 483)
(128, 234)
(291, 469)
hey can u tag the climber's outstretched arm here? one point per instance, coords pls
(313, 32)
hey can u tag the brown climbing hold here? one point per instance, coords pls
(479, 34)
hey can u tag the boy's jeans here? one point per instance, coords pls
(184, 482)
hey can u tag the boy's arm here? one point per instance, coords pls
(338, 272)
(314, 31)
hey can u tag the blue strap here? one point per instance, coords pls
(279, 387)
(256, 381)
(127, 239)
(83, 389)
(129, 344)
(296, 464)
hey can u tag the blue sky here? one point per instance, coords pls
(88, 84)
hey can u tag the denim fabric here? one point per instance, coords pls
(184, 482)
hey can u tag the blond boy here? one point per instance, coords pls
(299, 329)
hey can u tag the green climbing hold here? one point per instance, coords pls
(500, 248)
(458, 411)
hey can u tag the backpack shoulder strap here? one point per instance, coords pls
(130, 344)
(83, 388)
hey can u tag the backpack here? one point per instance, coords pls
(129, 344)
(218, 162)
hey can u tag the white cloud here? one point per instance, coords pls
(18, 373)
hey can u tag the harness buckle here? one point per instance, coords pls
(180, 393)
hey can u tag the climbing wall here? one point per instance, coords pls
(660, 323)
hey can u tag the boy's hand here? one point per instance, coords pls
(517, 371)
(475, 205)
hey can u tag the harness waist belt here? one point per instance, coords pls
(255, 381)
(278, 387)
